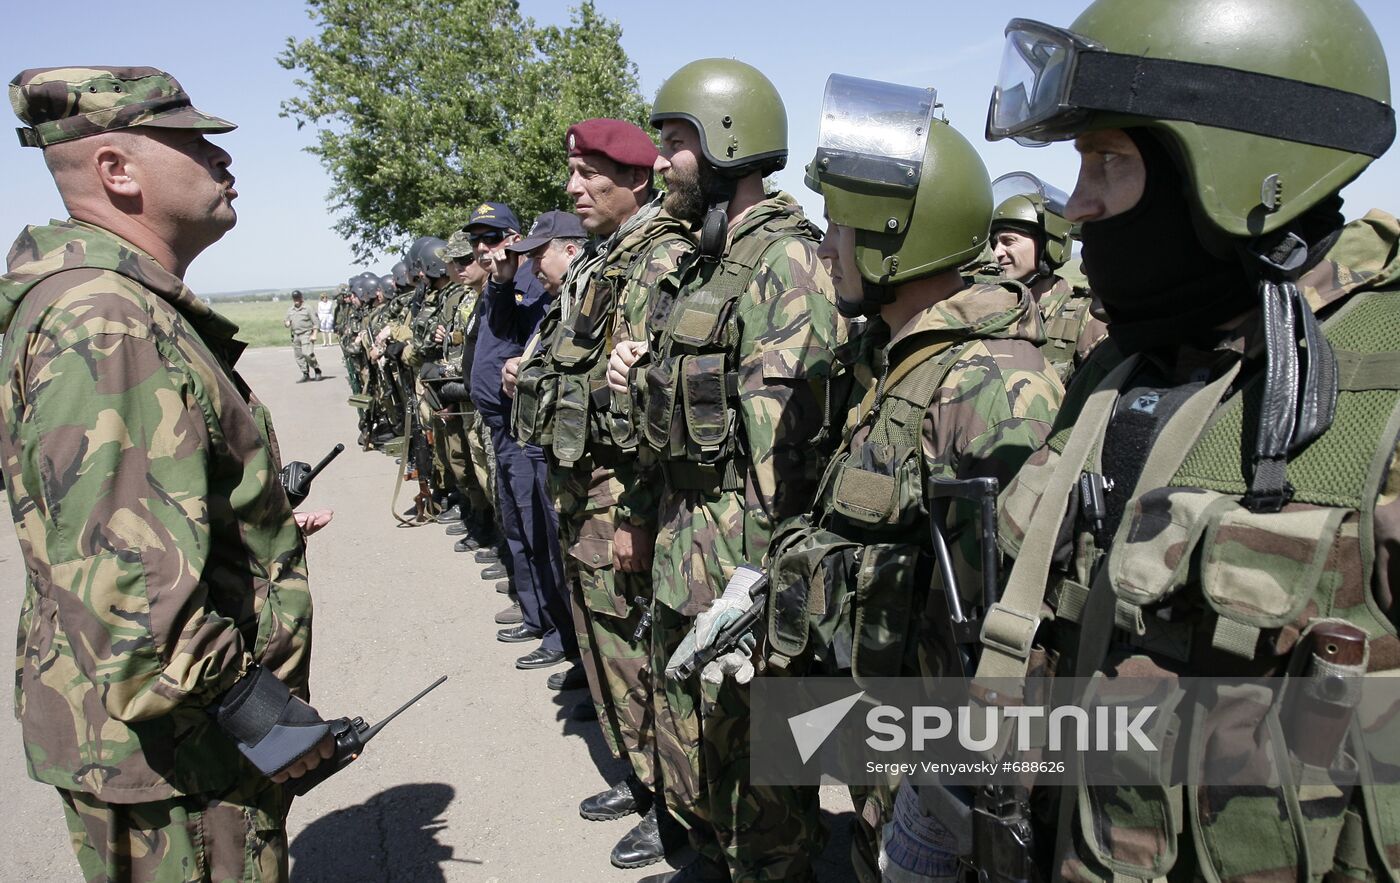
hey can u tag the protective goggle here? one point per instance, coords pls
(1052, 80)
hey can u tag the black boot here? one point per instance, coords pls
(618, 802)
(698, 871)
(640, 846)
(304, 377)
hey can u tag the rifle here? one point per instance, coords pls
(732, 636)
(1003, 839)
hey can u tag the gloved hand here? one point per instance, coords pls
(272, 728)
(715, 619)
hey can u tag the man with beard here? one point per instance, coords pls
(964, 394)
(1240, 432)
(738, 356)
(165, 636)
(606, 498)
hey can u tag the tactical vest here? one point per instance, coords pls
(690, 416)
(1064, 322)
(871, 543)
(1263, 579)
(562, 401)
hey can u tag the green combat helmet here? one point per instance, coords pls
(735, 108)
(1028, 204)
(912, 188)
(1269, 107)
(1269, 119)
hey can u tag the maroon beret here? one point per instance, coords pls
(621, 142)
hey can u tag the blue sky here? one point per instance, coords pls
(224, 55)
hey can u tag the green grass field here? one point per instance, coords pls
(260, 322)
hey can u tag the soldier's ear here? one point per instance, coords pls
(115, 163)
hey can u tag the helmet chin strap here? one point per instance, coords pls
(873, 296)
(1300, 388)
(719, 190)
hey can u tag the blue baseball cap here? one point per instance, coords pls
(548, 227)
(496, 215)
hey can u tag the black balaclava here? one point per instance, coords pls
(1159, 285)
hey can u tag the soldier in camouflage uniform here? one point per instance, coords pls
(607, 500)
(136, 459)
(1249, 478)
(468, 447)
(1031, 241)
(302, 323)
(963, 391)
(738, 355)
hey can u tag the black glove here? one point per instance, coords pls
(453, 391)
(271, 727)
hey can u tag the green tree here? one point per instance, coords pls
(425, 108)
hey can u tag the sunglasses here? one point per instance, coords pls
(490, 237)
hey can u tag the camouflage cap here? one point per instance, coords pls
(458, 246)
(64, 103)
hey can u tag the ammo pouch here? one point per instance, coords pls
(570, 424)
(809, 573)
(879, 486)
(536, 394)
(1257, 570)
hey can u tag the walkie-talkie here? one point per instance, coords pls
(297, 476)
(351, 736)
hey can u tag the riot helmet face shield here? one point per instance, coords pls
(1026, 184)
(910, 189)
(870, 156)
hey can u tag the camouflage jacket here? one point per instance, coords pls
(1071, 329)
(616, 278)
(438, 308)
(162, 556)
(1194, 582)
(962, 391)
(767, 398)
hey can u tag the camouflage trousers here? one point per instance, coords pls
(606, 614)
(479, 478)
(239, 835)
(304, 350)
(758, 832)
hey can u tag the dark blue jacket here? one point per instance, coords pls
(510, 313)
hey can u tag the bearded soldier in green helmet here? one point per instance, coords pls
(737, 362)
(1031, 240)
(1227, 468)
(963, 392)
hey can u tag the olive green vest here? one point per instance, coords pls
(562, 398)
(690, 416)
(1263, 579)
(1065, 318)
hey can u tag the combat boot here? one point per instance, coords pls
(619, 801)
(305, 376)
(319, 375)
(640, 846)
(698, 871)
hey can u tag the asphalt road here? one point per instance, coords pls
(478, 782)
